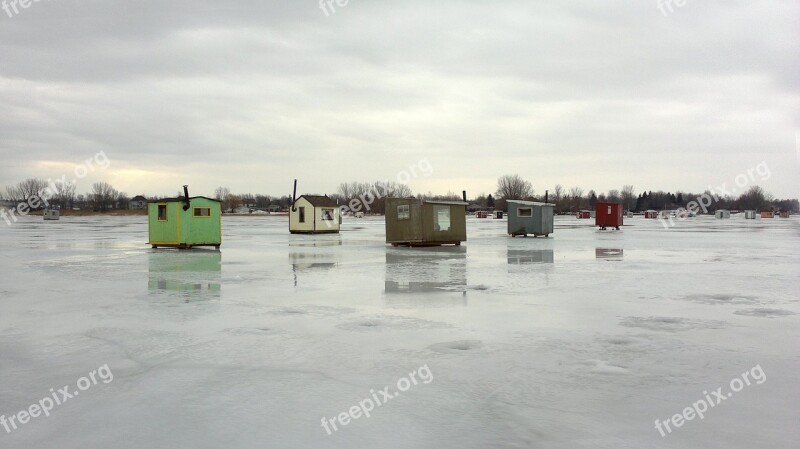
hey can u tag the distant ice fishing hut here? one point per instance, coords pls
(750, 215)
(608, 215)
(414, 222)
(528, 217)
(314, 214)
(767, 214)
(722, 213)
(184, 222)
(51, 214)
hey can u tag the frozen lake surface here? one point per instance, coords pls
(580, 340)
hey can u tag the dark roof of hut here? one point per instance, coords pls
(180, 199)
(319, 200)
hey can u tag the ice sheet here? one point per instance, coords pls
(579, 340)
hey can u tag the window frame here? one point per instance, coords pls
(158, 212)
(528, 215)
(403, 212)
(195, 209)
(301, 214)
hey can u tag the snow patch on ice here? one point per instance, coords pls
(316, 311)
(604, 367)
(381, 323)
(764, 313)
(721, 298)
(250, 331)
(670, 324)
(456, 346)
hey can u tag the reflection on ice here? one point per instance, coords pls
(523, 256)
(608, 253)
(312, 261)
(439, 269)
(315, 240)
(194, 273)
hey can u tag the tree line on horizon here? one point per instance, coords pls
(103, 197)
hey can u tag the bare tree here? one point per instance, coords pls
(224, 196)
(12, 193)
(558, 196)
(628, 196)
(614, 196)
(576, 196)
(65, 196)
(513, 187)
(755, 198)
(103, 195)
(403, 191)
(27, 189)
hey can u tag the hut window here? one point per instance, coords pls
(162, 212)
(202, 211)
(302, 214)
(327, 214)
(525, 212)
(403, 212)
(441, 218)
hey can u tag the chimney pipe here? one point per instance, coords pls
(545, 195)
(294, 196)
(464, 194)
(185, 197)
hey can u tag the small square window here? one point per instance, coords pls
(162, 212)
(525, 212)
(327, 214)
(403, 212)
(202, 211)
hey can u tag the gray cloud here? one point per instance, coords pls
(253, 94)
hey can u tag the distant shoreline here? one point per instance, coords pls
(89, 213)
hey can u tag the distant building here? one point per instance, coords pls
(416, 222)
(608, 215)
(138, 202)
(314, 214)
(722, 213)
(529, 217)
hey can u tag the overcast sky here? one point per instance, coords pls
(251, 94)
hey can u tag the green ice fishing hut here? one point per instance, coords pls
(184, 222)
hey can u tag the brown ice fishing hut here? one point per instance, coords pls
(414, 222)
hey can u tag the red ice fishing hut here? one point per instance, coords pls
(608, 215)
